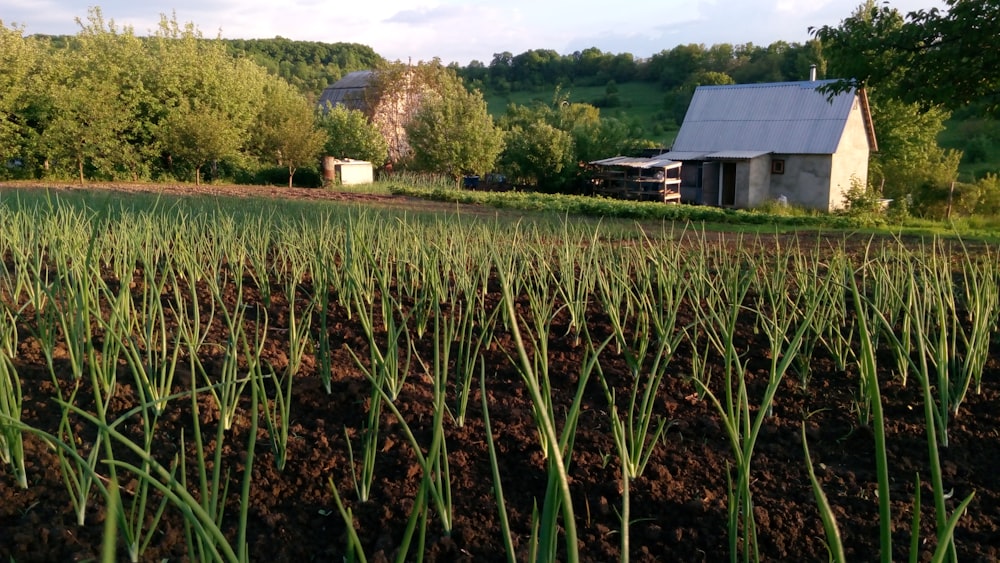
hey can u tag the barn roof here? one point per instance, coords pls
(348, 91)
(778, 117)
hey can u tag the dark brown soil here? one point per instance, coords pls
(678, 506)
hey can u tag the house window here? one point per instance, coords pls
(777, 166)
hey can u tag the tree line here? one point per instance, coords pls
(670, 68)
(107, 105)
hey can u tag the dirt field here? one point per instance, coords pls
(678, 505)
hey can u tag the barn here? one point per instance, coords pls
(349, 91)
(388, 102)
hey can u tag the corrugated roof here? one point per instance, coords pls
(735, 155)
(780, 117)
(684, 155)
(348, 91)
(637, 162)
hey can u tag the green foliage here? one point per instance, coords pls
(309, 66)
(305, 177)
(910, 165)
(864, 202)
(205, 101)
(395, 95)
(94, 94)
(199, 136)
(537, 153)
(929, 57)
(546, 141)
(453, 132)
(18, 58)
(349, 134)
(981, 198)
(286, 130)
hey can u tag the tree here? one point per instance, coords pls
(928, 57)
(18, 61)
(349, 134)
(92, 92)
(910, 166)
(453, 132)
(286, 129)
(538, 153)
(205, 100)
(200, 135)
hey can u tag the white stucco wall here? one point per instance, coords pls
(851, 159)
(806, 180)
(759, 176)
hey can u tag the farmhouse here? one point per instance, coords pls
(742, 145)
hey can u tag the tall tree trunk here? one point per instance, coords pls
(197, 175)
(291, 173)
(79, 168)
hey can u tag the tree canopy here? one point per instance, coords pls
(106, 104)
(452, 131)
(929, 57)
(349, 134)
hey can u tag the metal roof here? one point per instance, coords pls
(638, 162)
(777, 117)
(684, 155)
(348, 91)
(735, 155)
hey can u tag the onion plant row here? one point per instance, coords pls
(142, 295)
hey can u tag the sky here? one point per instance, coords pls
(464, 30)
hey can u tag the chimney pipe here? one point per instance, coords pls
(812, 73)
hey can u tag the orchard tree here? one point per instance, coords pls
(18, 62)
(538, 153)
(568, 133)
(910, 165)
(453, 131)
(197, 79)
(94, 90)
(286, 130)
(349, 134)
(200, 135)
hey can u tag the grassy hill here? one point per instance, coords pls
(979, 140)
(641, 104)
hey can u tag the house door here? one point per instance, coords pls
(727, 181)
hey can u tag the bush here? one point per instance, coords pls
(977, 149)
(305, 177)
(864, 202)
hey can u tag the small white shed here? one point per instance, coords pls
(347, 171)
